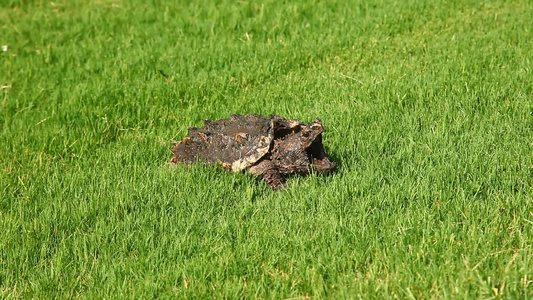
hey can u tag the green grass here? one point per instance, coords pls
(428, 107)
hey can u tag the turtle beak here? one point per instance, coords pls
(323, 165)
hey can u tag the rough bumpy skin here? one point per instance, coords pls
(268, 146)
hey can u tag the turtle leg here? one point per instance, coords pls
(274, 179)
(270, 173)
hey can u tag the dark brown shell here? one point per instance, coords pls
(237, 143)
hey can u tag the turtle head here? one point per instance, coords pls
(314, 147)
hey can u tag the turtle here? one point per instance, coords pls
(271, 147)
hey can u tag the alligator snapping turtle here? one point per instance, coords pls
(267, 146)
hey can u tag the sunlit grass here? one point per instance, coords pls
(428, 111)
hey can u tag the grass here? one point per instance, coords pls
(428, 111)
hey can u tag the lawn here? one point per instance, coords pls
(428, 110)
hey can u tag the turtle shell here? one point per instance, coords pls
(237, 143)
